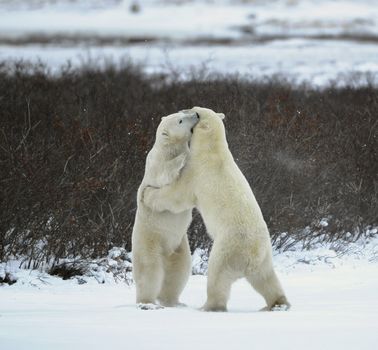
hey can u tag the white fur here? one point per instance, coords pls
(212, 182)
(161, 255)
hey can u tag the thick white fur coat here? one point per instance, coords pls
(212, 182)
(161, 255)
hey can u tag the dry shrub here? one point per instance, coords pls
(73, 147)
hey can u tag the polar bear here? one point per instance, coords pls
(212, 182)
(161, 254)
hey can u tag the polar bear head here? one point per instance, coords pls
(176, 128)
(210, 129)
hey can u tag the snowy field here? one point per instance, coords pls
(314, 41)
(333, 289)
(334, 306)
(332, 309)
(318, 64)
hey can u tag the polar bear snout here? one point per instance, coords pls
(189, 119)
(192, 119)
(190, 112)
(198, 119)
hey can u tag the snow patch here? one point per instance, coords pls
(314, 41)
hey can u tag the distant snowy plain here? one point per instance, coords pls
(317, 42)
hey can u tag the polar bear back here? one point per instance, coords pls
(227, 201)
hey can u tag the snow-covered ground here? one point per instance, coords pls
(316, 41)
(298, 60)
(334, 306)
(190, 19)
(332, 309)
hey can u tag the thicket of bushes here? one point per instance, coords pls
(73, 147)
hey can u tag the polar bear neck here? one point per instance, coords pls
(170, 151)
(208, 145)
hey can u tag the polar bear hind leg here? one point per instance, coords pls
(177, 269)
(266, 283)
(219, 282)
(148, 278)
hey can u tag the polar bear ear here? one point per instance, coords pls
(221, 115)
(162, 118)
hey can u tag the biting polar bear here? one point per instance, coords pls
(161, 254)
(212, 182)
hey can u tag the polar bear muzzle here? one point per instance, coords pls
(194, 117)
(190, 118)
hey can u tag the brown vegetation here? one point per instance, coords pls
(73, 147)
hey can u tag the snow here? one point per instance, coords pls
(332, 309)
(314, 17)
(193, 18)
(257, 39)
(318, 62)
(323, 222)
(159, 21)
(333, 296)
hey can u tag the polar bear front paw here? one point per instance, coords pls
(149, 306)
(147, 196)
(175, 167)
(181, 160)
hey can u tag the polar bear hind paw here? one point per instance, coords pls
(214, 308)
(149, 306)
(171, 304)
(281, 304)
(282, 307)
(181, 305)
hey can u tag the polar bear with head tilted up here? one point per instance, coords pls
(161, 255)
(212, 182)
